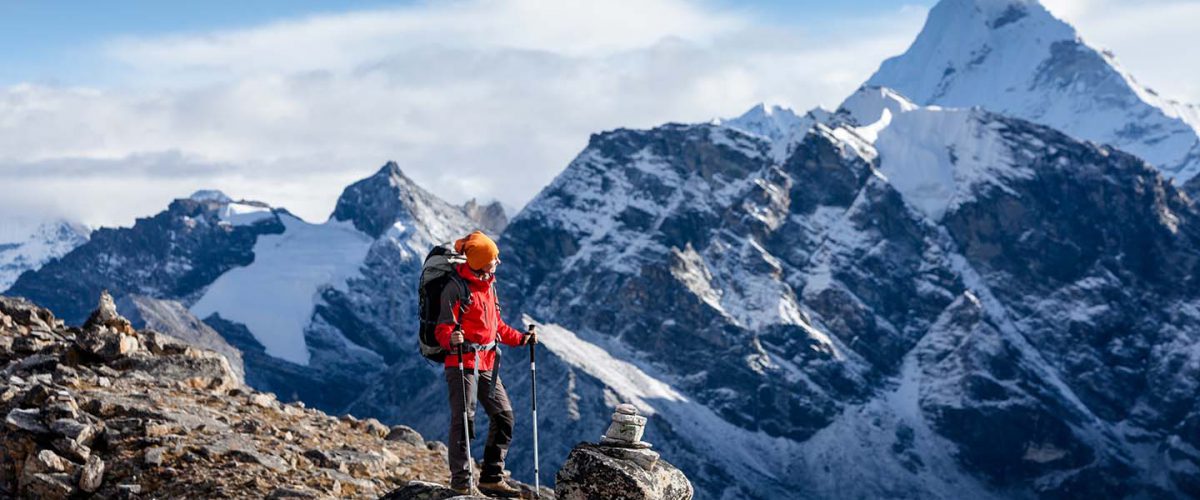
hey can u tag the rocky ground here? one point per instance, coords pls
(119, 413)
(107, 411)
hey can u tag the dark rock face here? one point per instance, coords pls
(593, 471)
(995, 391)
(1192, 188)
(370, 203)
(376, 203)
(173, 255)
(1055, 309)
(695, 189)
(1095, 255)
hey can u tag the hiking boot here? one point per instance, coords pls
(499, 489)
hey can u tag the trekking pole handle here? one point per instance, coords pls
(532, 329)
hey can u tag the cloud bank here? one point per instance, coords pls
(477, 99)
(472, 98)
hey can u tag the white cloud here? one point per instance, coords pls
(472, 98)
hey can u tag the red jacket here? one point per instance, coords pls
(481, 322)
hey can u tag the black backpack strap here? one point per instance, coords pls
(464, 300)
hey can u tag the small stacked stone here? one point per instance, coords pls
(624, 438)
(626, 429)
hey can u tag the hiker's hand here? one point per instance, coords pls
(531, 338)
(456, 338)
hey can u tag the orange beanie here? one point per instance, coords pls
(479, 249)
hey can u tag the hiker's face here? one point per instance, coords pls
(491, 267)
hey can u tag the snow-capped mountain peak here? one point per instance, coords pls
(24, 248)
(971, 50)
(771, 122)
(1014, 57)
(781, 127)
(390, 202)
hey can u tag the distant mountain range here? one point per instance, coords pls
(27, 247)
(979, 277)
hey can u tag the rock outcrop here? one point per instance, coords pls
(173, 318)
(594, 471)
(113, 412)
(621, 467)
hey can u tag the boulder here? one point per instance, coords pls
(72, 449)
(80, 432)
(375, 427)
(44, 461)
(406, 434)
(28, 420)
(593, 471)
(92, 474)
(49, 486)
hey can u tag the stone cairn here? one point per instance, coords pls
(624, 437)
(626, 429)
(621, 466)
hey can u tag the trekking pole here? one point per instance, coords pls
(537, 485)
(466, 422)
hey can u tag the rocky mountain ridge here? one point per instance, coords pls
(898, 282)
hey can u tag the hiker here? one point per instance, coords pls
(476, 327)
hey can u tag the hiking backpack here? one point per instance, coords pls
(437, 273)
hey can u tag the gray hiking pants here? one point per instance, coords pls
(500, 428)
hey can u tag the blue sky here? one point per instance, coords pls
(55, 40)
(288, 101)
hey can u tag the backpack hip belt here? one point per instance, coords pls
(493, 346)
